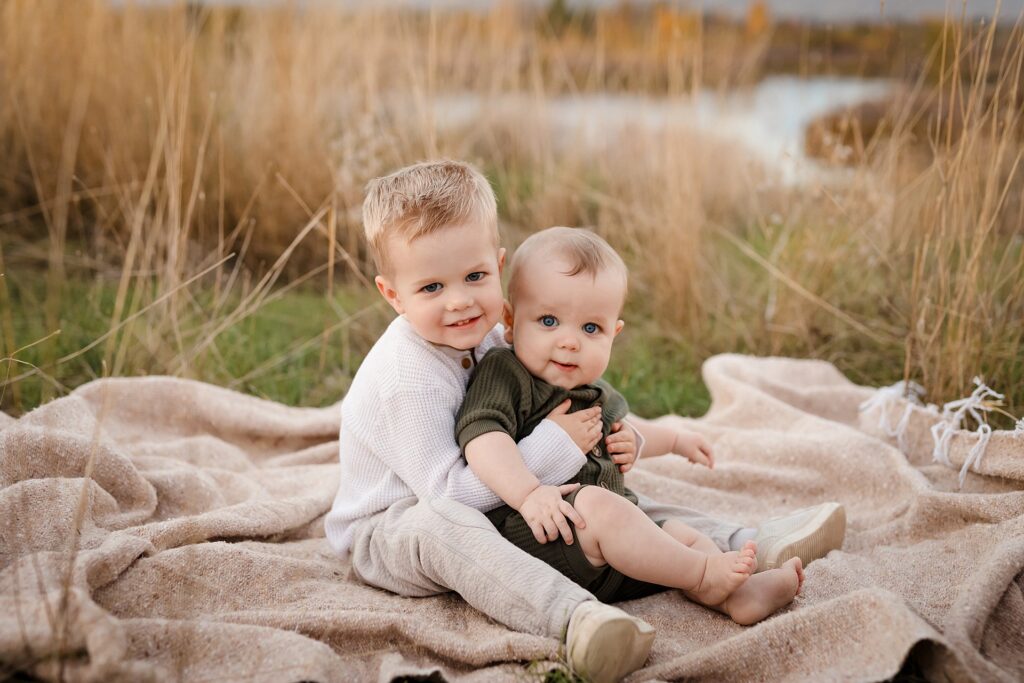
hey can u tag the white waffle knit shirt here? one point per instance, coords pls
(397, 434)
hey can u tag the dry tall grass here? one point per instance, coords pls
(151, 145)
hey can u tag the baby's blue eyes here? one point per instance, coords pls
(475, 277)
(431, 288)
(552, 321)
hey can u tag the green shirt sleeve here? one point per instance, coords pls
(497, 398)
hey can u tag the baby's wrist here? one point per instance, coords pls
(516, 501)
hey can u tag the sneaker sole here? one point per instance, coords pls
(831, 530)
(617, 648)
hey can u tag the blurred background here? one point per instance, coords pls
(181, 183)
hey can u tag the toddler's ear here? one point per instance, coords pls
(507, 318)
(501, 260)
(618, 327)
(389, 294)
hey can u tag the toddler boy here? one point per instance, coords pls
(407, 508)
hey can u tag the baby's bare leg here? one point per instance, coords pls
(686, 534)
(620, 534)
(759, 597)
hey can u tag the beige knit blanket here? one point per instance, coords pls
(194, 517)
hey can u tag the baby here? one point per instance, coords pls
(566, 292)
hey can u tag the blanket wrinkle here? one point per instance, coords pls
(201, 551)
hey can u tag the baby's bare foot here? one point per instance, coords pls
(725, 573)
(765, 593)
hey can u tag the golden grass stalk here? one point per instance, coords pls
(159, 140)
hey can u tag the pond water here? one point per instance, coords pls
(769, 118)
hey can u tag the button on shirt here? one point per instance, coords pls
(465, 357)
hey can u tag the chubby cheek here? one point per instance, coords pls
(427, 321)
(430, 315)
(529, 353)
(598, 364)
(491, 304)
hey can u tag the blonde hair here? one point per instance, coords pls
(423, 198)
(585, 251)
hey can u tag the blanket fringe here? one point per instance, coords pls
(950, 419)
(953, 414)
(885, 397)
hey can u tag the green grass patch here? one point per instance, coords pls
(657, 374)
(279, 352)
(299, 349)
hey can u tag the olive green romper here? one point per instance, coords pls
(503, 396)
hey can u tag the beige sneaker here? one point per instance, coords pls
(808, 534)
(604, 644)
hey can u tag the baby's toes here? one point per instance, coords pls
(743, 565)
(798, 565)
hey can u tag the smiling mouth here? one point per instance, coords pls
(564, 367)
(463, 323)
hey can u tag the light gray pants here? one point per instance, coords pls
(421, 548)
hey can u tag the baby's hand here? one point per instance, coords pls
(621, 445)
(693, 447)
(545, 511)
(583, 426)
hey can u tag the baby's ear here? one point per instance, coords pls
(501, 260)
(507, 318)
(619, 324)
(388, 292)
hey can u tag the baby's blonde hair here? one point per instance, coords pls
(423, 198)
(585, 251)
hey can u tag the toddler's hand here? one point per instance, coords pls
(622, 446)
(583, 426)
(545, 511)
(694, 448)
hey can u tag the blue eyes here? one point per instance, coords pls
(551, 321)
(435, 287)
